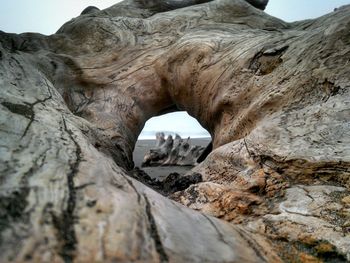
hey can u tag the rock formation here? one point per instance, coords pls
(172, 152)
(273, 95)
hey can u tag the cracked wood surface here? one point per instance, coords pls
(273, 95)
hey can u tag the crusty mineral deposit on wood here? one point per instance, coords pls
(273, 95)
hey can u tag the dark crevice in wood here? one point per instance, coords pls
(253, 244)
(20, 109)
(265, 62)
(84, 102)
(205, 153)
(80, 187)
(330, 89)
(154, 232)
(220, 235)
(64, 223)
(134, 188)
(26, 109)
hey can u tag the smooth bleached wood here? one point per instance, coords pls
(273, 95)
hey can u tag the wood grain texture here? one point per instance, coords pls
(273, 95)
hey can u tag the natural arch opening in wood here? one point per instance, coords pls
(173, 139)
(274, 96)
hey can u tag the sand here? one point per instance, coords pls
(160, 172)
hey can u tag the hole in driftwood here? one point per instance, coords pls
(168, 147)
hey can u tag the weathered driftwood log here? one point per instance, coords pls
(172, 152)
(273, 95)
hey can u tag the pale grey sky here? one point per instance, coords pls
(46, 17)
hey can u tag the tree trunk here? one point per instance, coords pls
(273, 95)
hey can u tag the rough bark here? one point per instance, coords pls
(273, 95)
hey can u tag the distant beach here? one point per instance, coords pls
(160, 172)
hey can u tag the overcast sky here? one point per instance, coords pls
(46, 17)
